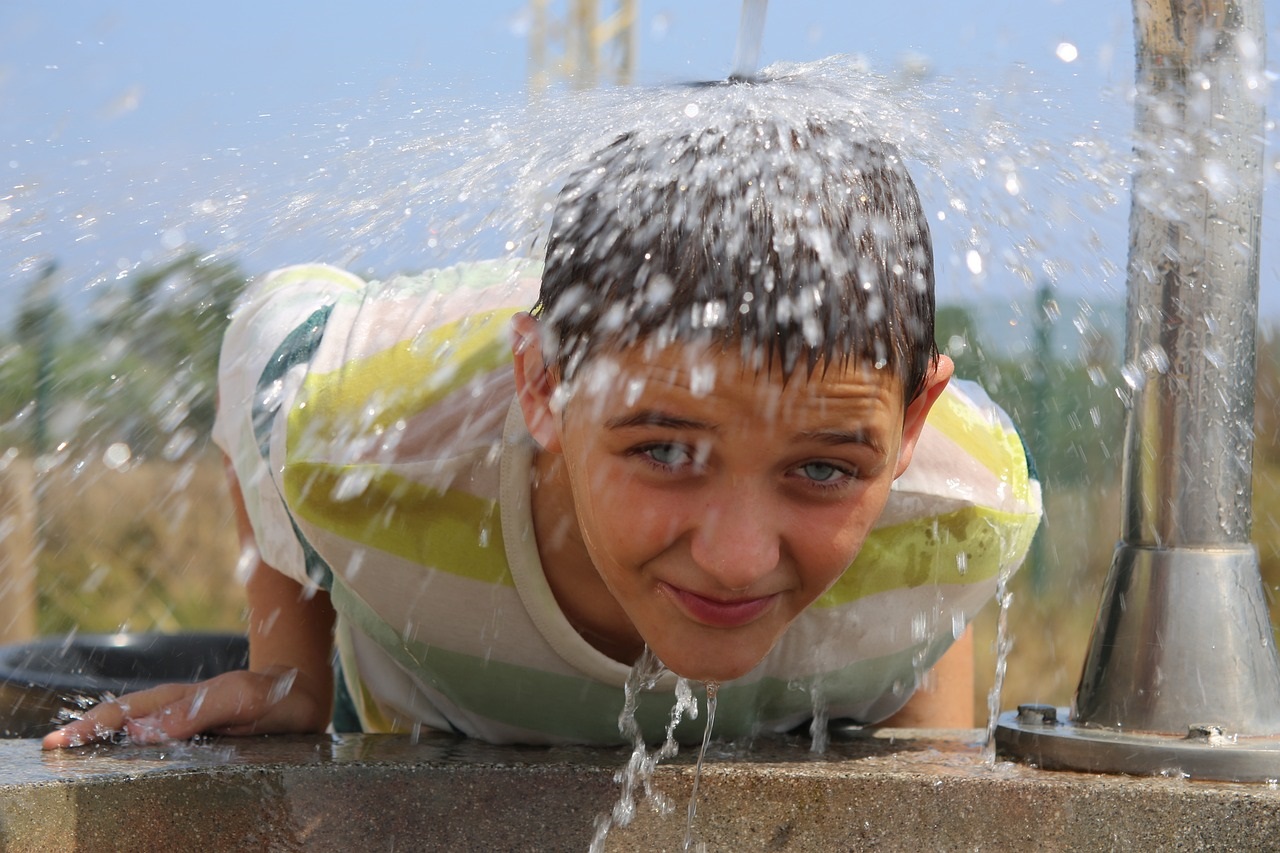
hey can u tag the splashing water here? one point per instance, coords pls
(640, 766)
(638, 772)
(421, 185)
(439, 182)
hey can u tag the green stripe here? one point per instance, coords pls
(450, 531)
(970, 545)
(587, 711)
(297, 348)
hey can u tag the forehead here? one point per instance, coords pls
(700, 373)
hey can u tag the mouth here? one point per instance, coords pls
(718, 613)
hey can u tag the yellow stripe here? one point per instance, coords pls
(450, 531)
(994, 447)
(364, 394)
(309, 273)
(962, 547)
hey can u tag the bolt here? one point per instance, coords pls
(1037, 715)
(1211, 734)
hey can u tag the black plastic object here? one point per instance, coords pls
(42, 680)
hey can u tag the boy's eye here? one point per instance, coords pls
(671, 455)
(823, 472)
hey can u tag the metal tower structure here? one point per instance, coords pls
(585, 43)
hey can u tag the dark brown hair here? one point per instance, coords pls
(802, 243)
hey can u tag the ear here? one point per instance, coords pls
(918, 409)
(535, 381)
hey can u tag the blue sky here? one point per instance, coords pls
(117, 117)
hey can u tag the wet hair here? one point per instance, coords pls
(803, 243)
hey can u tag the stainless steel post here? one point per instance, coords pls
(1182, 646)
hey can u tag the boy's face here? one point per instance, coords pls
(714, 501)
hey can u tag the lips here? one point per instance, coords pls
(718, 613)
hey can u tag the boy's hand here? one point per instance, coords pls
(289, 688)
(234, 703)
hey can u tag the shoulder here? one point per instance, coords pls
(415, 370)
(970, 453)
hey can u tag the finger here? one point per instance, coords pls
(98, 723)
(203, 707)
(108, 717)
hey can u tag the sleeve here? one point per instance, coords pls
(274, 330)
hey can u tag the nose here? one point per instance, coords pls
(736, 537)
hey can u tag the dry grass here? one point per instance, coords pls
(151, 547)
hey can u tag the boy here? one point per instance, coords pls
(690, 444)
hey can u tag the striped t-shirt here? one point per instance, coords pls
(380, 456)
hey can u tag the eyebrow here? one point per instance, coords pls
(828, 437)
(838, 437)
(655, 418)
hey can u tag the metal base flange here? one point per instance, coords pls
(1043, 735)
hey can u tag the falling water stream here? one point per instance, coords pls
(1004, 644)
(712, 689)
(746, 56)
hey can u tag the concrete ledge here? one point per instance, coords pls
(889, 790)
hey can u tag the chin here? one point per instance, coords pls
(709, 667)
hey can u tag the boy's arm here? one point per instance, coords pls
(290, 631)
(287, 688)
(946, 701)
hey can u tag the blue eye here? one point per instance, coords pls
(823, 472)
(670, 455)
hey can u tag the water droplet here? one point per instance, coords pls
(117, 456)
(973, 260)
(247, 562)
(281, 686)
(352, 483)
(702, 380)
(1133, 377)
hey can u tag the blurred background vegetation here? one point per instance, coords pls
(112, 413)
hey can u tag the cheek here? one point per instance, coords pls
(623, 517)
(829, 542)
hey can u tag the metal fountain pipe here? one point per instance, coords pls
(1183, 636)
(1182, 674)
(1193, 279)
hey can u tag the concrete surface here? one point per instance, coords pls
(888, 790)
